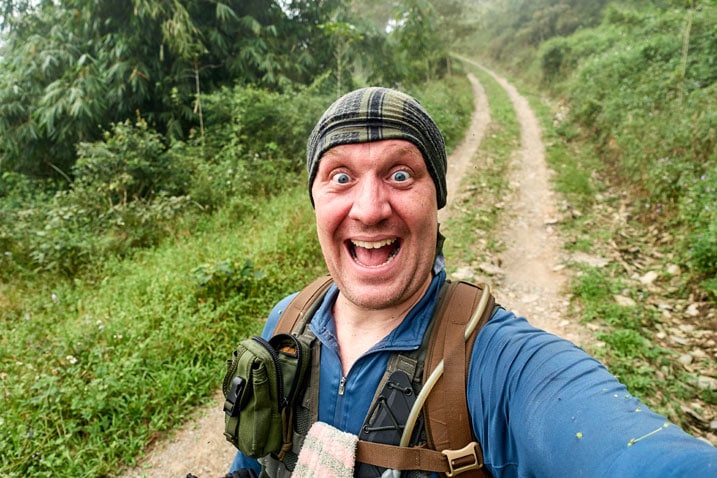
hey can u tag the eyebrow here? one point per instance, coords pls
(407, 149)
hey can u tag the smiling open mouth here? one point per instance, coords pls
(374, 253)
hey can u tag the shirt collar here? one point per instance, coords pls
(408, 335)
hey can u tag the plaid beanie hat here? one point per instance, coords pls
(375, 114)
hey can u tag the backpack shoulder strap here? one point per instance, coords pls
(452, 447)
(293, 320)
(446, 410)
(302, 306)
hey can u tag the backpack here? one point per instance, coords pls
(452, 449)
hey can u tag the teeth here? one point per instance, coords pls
(373, 245)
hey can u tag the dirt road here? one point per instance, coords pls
(532, 276)
(531, 281)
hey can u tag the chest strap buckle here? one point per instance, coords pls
(463, 460)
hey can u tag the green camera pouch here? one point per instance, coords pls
(262, 381)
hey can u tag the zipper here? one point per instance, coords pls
(277, 366)
(342, 386)
(299, 360)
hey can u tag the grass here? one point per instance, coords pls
(92, 373)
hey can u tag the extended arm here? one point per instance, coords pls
(542, 407)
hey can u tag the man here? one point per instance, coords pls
(539, 406)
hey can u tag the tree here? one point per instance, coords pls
(70, 68)
(422, 45)
(343, 35)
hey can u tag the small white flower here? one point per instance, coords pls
(72, 359)
(54, 297)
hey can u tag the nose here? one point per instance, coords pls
(371, 202)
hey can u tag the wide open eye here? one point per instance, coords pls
(400, 176)
(341, 178)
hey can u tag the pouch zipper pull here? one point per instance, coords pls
(277, 367)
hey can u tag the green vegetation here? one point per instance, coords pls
(633, 139)
(639, 83)
(70, 68)
(93, 369)
(153, 202)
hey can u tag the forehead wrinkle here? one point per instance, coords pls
(395, 149)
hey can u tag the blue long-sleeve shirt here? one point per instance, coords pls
(539, 405)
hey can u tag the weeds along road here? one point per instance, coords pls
(529, 281)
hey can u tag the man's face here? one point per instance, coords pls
(377, 221)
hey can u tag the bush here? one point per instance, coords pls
(560, 57)
(253, 123)
(132, 189)
(656, 125)
(18, 194)
(255, 142)
(552, 55)
(127, 194)
(130, 163)
(216, 282)
(698, 209)
(450, 104)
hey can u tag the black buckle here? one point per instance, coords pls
(231, 404)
